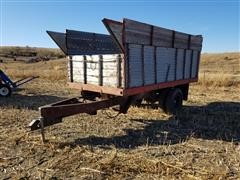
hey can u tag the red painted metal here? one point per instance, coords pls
(125, 56)
(65, 109)
(148, 88)
(129, 91)
(53, 113)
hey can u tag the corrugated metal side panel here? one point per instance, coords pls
(135, 66)
(180, 61)
(187, 64)
(194, 64)
(149, 77)
(165, 64)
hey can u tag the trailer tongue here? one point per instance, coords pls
(136, 62)
(53, 113)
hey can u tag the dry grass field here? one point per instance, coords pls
(203, 142)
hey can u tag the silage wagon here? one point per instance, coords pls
(136, 62)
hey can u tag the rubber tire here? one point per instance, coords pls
(162, 98)
(174, 101)
(8, 88)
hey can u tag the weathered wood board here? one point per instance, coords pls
(91, 73)
(146, 34)
(171, 64)
(149, 65)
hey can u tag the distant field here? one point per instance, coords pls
(221, 69)
(203, 142)
(29, 54)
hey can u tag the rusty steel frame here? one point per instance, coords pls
(53, 113)
(148, 88)
(129, 91)
(74, 106)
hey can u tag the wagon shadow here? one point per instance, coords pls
(216, 121)
(32, 102)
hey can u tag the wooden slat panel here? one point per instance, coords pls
(110, 81)
(149, 77)
(196, 43)
(180, 60)
(162, 37)
(137, 33)
(135, 66)
(78, 75)
(171, 61)
(141, 33)
(181, 40)
(194, 64)
(165, 64)
(109, 69)
(187, 64)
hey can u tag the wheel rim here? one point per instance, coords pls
(4, 91)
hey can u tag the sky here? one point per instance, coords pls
(24, 22)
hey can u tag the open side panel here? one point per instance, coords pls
(115, 28)
(85, 43)
(59, 39)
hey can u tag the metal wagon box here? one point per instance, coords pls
(135, 58)
(136, 63)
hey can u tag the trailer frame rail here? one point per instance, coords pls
(53, 113)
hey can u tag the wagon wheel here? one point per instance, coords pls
(173, 101)
(5, 90)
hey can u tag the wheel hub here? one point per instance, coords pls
(4, 91)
